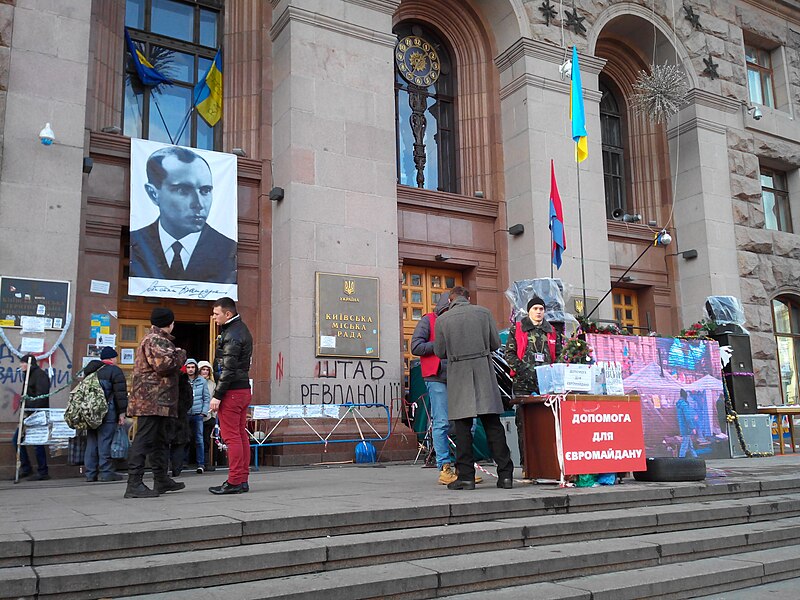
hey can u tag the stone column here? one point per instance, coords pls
(536, 128)
(334, 154)
(702, 215)
(45, 75)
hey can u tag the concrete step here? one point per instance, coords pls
(615, 569)
(677, 581)
(102, 542)
(661, 537)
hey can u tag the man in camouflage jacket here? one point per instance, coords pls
(154, 401)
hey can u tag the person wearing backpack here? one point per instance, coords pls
(97, 458)
(38, 385)
(154, 401)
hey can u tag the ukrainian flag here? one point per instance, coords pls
(576, 113)
(208, 92)
(148, 74)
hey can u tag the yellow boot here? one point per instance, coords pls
(447, 474)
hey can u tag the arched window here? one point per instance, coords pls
(613, 152)
(424, 97)
(786, 321)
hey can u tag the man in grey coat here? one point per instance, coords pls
(466, 335)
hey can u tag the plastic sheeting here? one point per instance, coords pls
(726, 310)
(554, 294)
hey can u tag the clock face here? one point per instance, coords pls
(417, 61)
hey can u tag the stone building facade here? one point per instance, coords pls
(316, 105)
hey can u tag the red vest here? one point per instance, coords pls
(430, 364)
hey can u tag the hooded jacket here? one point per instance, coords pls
(423, 337)
(38, 385)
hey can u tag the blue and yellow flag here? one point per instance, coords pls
(208, 92)
(576, 113)
(147, 73)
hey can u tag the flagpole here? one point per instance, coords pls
(580, 229)
(155, 101)
(552, 241)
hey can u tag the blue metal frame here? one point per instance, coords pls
(349, 406)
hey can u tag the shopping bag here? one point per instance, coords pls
(76, 448)
(120, 443)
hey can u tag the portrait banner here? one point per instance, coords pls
(183, 222)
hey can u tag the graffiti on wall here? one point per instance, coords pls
(350, 381)
(12, 378)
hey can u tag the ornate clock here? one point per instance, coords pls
(417, 61)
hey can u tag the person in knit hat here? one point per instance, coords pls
(99, 466)
(154, 401)
(531, 343)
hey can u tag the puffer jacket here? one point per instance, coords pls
(232, 357)
(112, 379)
(202, 398)
(154, 390)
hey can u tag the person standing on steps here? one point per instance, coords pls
(232, 395)
(466, 335)
(154, 401)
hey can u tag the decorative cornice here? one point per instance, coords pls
(385, 6)
(119, 146)
(302, 15)
(785, 9)
(102, 229)
(537, 81)
(546, 52)
(701, 97)
(696, 123)
(446, 203)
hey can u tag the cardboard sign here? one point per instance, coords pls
(602, 435)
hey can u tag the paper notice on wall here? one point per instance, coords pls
(99, 287)
(41, 310)
(107, 339)
(327, 341)
(126, 356)
(32, 324)
(36, 436)
(61, 431)
(32, 345)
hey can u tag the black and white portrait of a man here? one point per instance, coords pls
(183, 221)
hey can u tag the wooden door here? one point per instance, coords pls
(421, 289)
(626, 308)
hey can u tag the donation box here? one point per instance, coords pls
(599, 434)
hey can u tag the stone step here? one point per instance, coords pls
(127, 540)
(590, 539)
(614, 569)
(676, 581)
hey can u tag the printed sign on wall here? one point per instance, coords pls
(348, 317)
(184, 230)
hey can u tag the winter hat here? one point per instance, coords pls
(29, 356)
(107, 353)
(190, 361)
(204, 363)
(162, 317)
(534, 301)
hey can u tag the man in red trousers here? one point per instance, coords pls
(232, 395)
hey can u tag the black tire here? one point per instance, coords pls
(673, 469)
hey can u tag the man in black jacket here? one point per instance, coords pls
(232, 395)
(38, 385)
(97, 458)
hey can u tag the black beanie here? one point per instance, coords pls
(162, 317)
(534, 301)
(108, 353)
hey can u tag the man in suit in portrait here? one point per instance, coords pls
(180, 244)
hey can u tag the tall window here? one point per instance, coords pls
(759, 75)
(775, 198)
(613, 152)
(180, 39)
(786, 318)
(424, 98)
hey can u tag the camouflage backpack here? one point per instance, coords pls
(87, 406)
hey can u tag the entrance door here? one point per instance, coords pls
(626, 308)
(421, 290)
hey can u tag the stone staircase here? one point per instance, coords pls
(634, 541)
